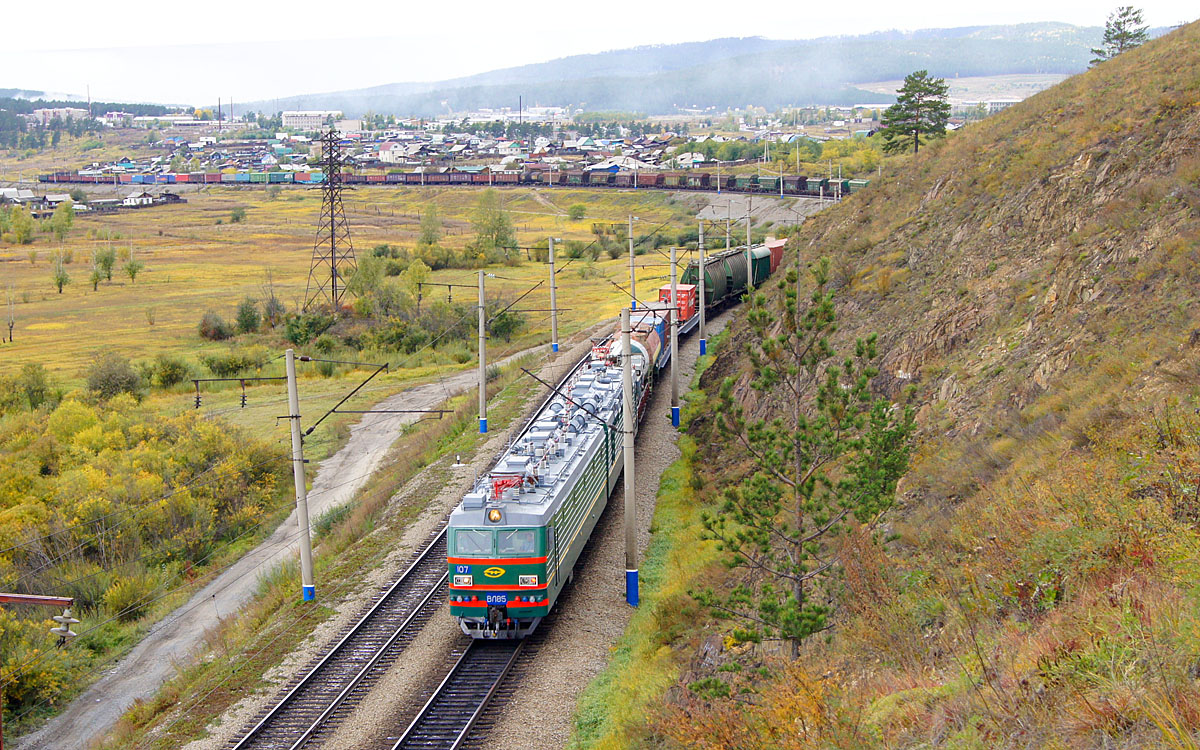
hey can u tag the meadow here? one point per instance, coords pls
(197, 259)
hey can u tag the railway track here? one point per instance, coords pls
(446, 719)
(332, 684)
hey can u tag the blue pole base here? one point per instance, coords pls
(308, 593)
(703, 347)
(674, 416)
(631, 587)
(483, 425)
(554, 347)
(633, 304)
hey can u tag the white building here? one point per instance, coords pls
(309, 119)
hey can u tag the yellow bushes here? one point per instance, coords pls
(114, 505)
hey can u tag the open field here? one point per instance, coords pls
(197, 260)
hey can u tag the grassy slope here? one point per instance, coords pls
(1033, 276)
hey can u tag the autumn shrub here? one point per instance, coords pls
(111, 374)
(214, 328)
(128, 598)
(168, 370)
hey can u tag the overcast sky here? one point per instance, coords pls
(179, 52)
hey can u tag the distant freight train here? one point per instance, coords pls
(794, 185)
(514, 540)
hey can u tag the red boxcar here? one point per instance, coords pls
(508, 178)
(776, 248)
(649, 179)
(126, 178)
(376, 178)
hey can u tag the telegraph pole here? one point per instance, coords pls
(674, 321)
(553, 303)
(749, 266)
(482, 361)
(632, 277)
(728, 222)
(308, 591)
(700, 296)
(631, 563)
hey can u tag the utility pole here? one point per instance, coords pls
(632, 275)
(553, 303)
(631, 564)
(674, 321)
(700, 295)
(749, 265)
(728, 222)
(308, 591)
(482, 361)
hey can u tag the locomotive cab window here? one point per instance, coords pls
(472, 542)
(518, 542)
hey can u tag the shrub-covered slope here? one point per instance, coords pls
(1035, 277)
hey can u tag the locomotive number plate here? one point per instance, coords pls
(497, 598)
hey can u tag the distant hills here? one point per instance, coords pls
(724, 73)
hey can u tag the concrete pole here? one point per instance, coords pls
(632, 275)
(307, 590)
(482, 361)
(674, 321)
(728, 222)
(628, 416)
(700, 293)
(749, 266)
(553, 303)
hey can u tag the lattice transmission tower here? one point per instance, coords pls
(333, 254)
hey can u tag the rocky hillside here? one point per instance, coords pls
(1034, 277)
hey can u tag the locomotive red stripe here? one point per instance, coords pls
(496, 561)
(504, 587)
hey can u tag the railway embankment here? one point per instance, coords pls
(1031, 279)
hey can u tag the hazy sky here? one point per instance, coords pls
(145, 50)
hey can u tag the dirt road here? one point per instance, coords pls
(177, 637)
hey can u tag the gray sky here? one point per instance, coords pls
(143, 50)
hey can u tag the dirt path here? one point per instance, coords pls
(176, 638)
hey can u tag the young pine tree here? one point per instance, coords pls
(829, 458)
(1123, 31)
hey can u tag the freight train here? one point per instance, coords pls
(514, 540)
(786, 185)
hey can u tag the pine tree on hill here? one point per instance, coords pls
(1124, 30)
(921, 109)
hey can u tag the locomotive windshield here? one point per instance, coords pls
(518, 542)
(473, 542)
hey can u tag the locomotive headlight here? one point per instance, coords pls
(527, 581)
(464, 580)
(494, 515)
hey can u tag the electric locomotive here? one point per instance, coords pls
(514, 540)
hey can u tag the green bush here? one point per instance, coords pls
(247, 316)
(233, 363)
(576, 211)
(238, 215)
(111, 374)
(303, 328)
(214, 328)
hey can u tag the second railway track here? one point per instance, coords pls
(345, 672)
